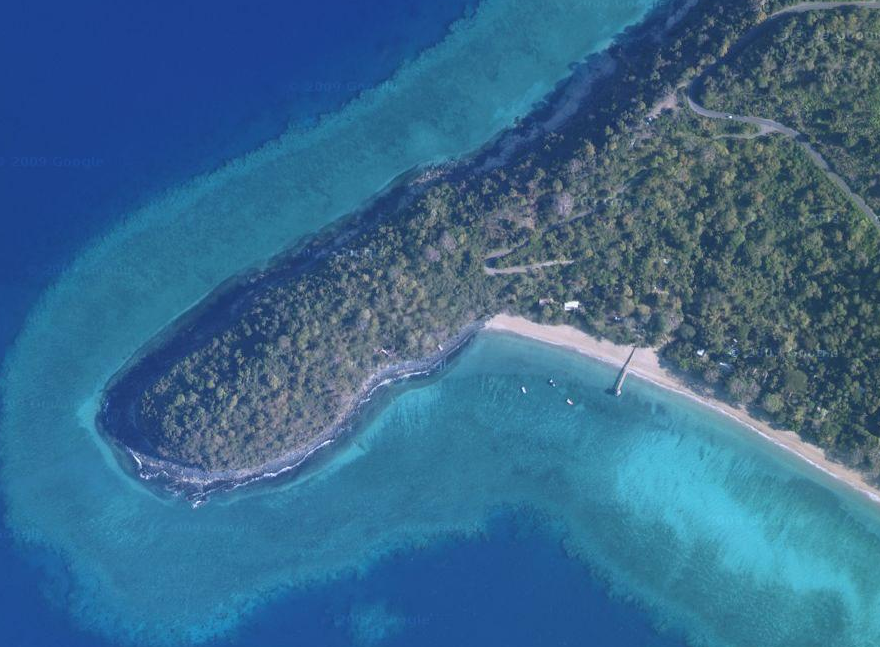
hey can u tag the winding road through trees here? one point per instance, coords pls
(767, 126)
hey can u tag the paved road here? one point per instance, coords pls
(820, 6)
(767, 126)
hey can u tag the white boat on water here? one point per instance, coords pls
(523, 389)
(569, 402)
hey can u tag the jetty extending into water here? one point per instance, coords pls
(621, 377)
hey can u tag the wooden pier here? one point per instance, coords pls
(621, 377)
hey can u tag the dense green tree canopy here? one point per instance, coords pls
(737, 256)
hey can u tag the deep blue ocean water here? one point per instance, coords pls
(514, 585)
(108, 105)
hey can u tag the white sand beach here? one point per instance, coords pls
(646, 365)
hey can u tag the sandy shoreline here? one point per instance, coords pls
(646, 365)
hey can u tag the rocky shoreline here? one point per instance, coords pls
(117, 417)
(197, 485)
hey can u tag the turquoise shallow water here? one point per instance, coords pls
(148, 568)
(719, 534)
(714, 533)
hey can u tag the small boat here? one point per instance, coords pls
(523, 389)
(569, 402)
(551, 382)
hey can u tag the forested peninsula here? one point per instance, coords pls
(724, 246)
